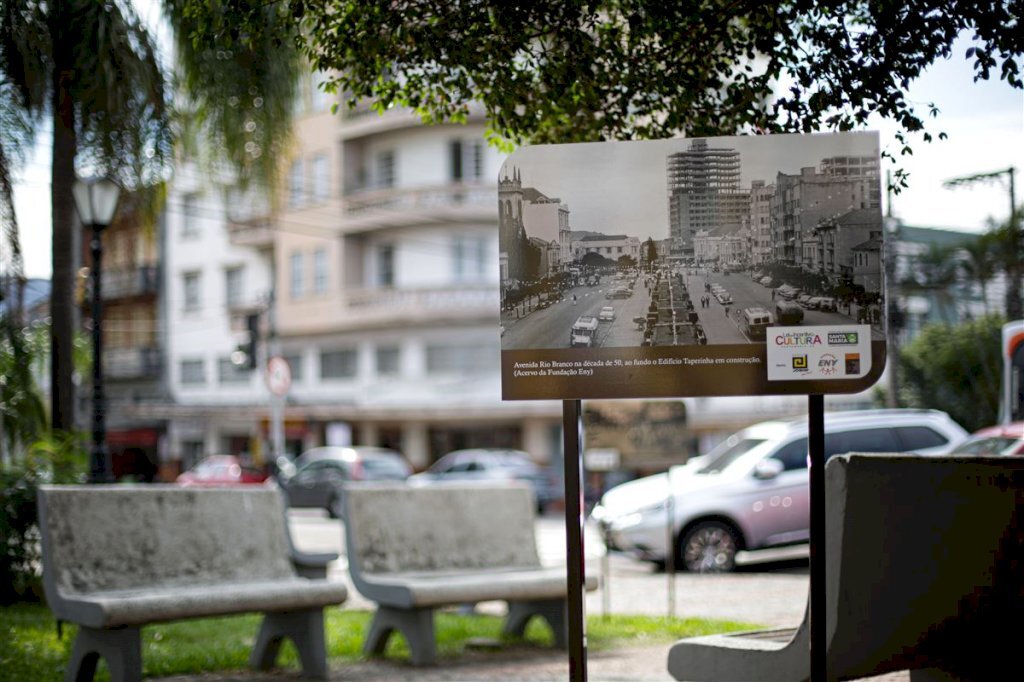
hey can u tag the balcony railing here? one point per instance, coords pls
(468, 297)
(414, 202)
(125, 282)
(143, 362)
(256, 232)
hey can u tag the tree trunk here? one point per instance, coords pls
(62, 388)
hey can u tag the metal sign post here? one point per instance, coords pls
(816, 450)
(577, 624)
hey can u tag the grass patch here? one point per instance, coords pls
(32, 650)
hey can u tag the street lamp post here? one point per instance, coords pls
(96, 200)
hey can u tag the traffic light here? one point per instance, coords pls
(245, 353)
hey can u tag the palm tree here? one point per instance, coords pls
(979, 263)
(1008, 250)
(89, 69)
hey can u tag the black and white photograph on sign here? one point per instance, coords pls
(689, 241)
(660, 268)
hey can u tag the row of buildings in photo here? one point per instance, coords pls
(824, 220)
(377, 279)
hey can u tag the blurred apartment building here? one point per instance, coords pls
(376, 278)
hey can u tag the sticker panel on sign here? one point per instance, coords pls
(819, 352)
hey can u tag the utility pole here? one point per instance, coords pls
(890, 244)
(1015, 261)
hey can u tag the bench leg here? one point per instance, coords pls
(551, 610)
(416, 625)
(305, 629)
(121, 648)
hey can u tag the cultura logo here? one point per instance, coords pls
(797, 339)
(842, 338)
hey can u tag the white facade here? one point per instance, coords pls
(210, 285)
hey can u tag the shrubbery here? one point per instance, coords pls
(53, 459)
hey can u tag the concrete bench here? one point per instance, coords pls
(116, 558)
(925, 572)
(414, 549)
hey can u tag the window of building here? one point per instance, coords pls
(294, 361)
(386, 265)
(469, 255)
(321, 100)
(455, 160)
(320, 271)
(339, 364)
(230, 373)
(190, 216)
(386, 168)
(296, 277)
(321, 177)
(192, 372)
(190, 285)
(461, 359)
(233, 286)
(466, 160)
(296, 183)
(388, 361)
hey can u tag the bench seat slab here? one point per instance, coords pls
(116, 608)
(444, 588)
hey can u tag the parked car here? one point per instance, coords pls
(766, 281)
(724, 297)
(321, 472)
(492, 464)
(1004, 439)
(751, 491)
(823, 303)
(804, 300)
(221, 470)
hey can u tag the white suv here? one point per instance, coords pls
(751, 491)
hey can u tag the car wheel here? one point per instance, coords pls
(709, 547)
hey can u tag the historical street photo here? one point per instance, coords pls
(697, 266)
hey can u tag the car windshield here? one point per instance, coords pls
(384, 467)
(994, 445)
(727, 453)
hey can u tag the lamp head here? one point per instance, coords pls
(96, 200)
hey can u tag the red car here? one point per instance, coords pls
(221, 470)
(1004, 439)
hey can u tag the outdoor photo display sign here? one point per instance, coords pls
(692, 267)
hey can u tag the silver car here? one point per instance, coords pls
(751, 491)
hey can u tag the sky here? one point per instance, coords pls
(984, 122)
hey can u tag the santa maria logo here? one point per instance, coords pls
(798, 339)
(842, 338)
(828, 364)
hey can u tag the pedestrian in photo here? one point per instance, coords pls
(773, 294)
(727, 311)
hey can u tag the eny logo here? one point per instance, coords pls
(828, 364)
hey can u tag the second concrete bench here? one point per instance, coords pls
(414, 549)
